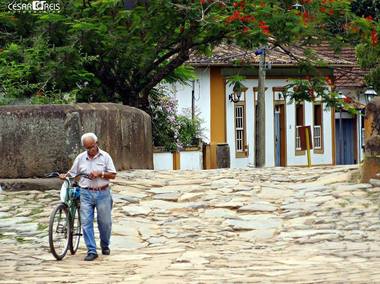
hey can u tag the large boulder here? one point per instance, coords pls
(371, 164)
(35, 140)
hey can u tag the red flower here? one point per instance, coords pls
(328, 80)
(331, 12)
(248, 19)
(246, 29)
(264, 27)
(236, 4)
(369, 18)
(202, 2)
(347, 100)
(235, 16)
(310, 93)
(322, 9)
(305, 16)
(374, 37)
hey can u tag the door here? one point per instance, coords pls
(277, 136)
(345, 141)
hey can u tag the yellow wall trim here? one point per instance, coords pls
(176, 161)
(218, 112)
(333, 135)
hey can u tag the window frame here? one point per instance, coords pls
(319, 150)
(298, 150)
(243, 153)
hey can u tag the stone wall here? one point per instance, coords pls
(35, 140)
(371, 164)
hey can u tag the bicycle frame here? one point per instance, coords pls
(70, 201)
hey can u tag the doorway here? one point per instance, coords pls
(279, 135)
(345, 139)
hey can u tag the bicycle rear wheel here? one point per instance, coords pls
(59, 231)
(75, 232)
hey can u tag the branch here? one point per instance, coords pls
(178, 61)
(287, 52)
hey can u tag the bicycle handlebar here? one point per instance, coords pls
(56, 174)
(52, 174)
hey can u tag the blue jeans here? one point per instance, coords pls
(102, 201)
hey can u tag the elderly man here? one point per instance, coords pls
(95, 193)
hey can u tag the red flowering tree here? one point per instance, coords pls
(368, 50)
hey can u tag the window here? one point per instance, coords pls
(299, 122)
(317, 131)
(317, 137)
(239, 127)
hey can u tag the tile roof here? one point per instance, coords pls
(229, 55)
(345, 77)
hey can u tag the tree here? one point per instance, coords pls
(366, 8)
(368, 50)
(99, 51)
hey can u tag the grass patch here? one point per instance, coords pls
(343, 204)
(42, 227)
(49, 195)
(6, 197)
(36, 210)
(20, 240)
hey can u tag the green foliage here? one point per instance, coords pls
(368, 56)
(236, 82)
(365, 8)
(313, 89)
(190, 130)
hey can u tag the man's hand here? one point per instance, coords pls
(95, 174)
(62, 176)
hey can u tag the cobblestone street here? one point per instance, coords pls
(295, 225)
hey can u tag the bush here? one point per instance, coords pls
(190, 131)
(163, 109)
(172, 131)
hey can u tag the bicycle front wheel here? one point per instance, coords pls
(59, 231)
(75, 232)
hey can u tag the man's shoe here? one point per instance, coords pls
(90, 257)
(106, 251)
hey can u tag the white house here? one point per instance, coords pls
(227, 122)
(349, 81)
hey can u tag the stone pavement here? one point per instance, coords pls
(294, 225)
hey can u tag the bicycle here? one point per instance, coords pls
(64, 223)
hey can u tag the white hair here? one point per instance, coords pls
(88, 135)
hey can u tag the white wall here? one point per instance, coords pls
(163, 161)
(230, 117)
(316, 159)
(191, 160)
(250, 118)
(202, 95)
(292, 159)
(202, 99)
